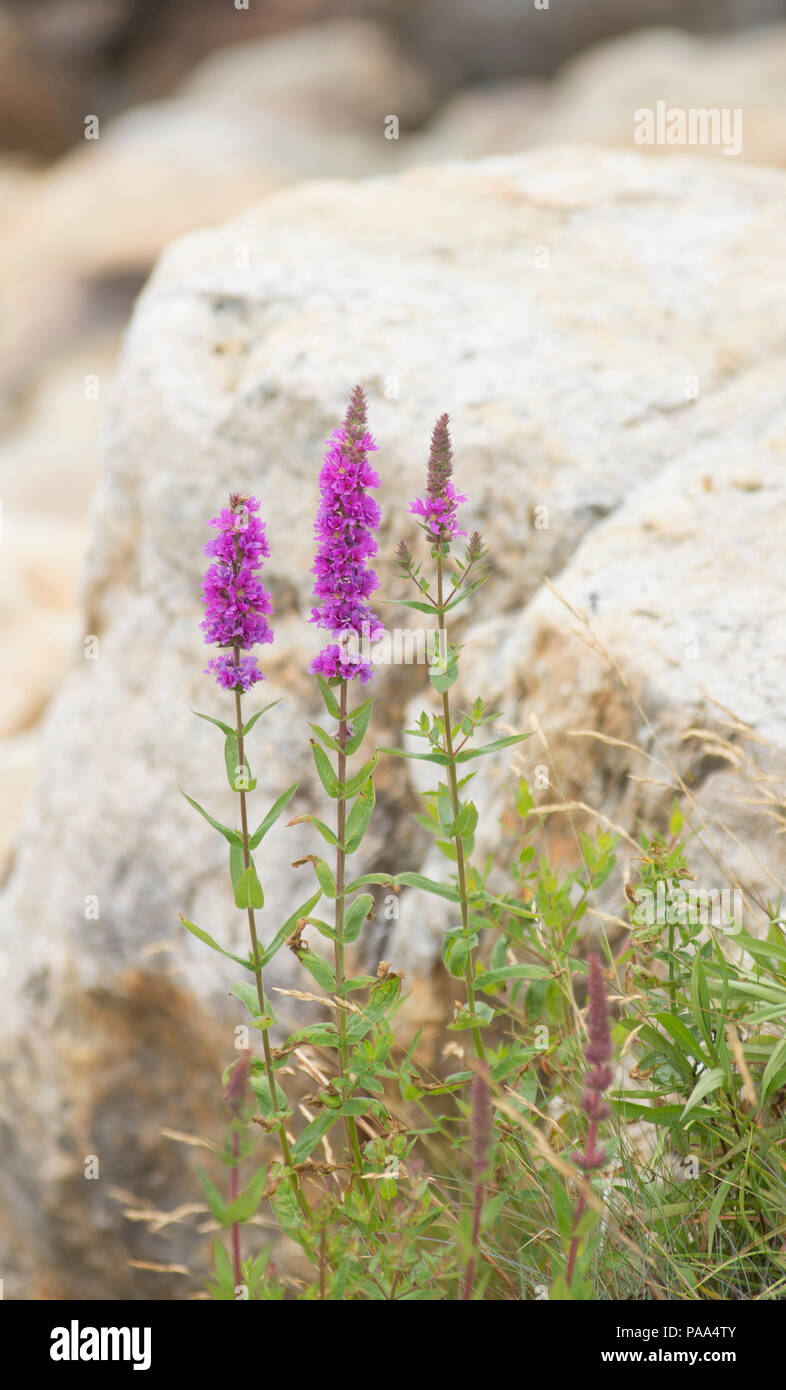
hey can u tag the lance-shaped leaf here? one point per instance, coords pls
(467, 754)
(331, 703)
(208, 940)
(328, 739)
(443, 678)
(326, 774)
(359, 817)
(490, 979)
(231, 836)
(324, 830)
(465, 822)
(359, 720)
(441, 759)
(288, 928)
(248, 995)
(244, 1206)
(272, 815)
(456, 947)
(418, 604)
(248, 890)
(248, 726)
(316, 1130)
(429, 885)
(710, 1081)
(259, 1085)
(323, 872)
(318, 969)
(356, 916)
(219, 723)
(465, 593)
(354, 784)
(214, 1199)
(238, 774)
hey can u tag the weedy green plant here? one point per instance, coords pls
(409, 1181)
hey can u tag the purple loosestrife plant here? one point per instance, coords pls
(450, 817)
(480, 1132)
(345, 521)
(236, 619)
(581, 1228)
(236, 602)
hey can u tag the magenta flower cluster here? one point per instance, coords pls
(438, 507)
(236, 602)
(439, 513)
(345, 520)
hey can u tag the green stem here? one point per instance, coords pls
(350, 1125)
(252, 928)
(469, 966)
(672, 981)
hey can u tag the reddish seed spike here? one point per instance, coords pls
(440, 459)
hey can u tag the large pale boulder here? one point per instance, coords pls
(604, 331)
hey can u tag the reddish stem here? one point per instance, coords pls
(234, 1191)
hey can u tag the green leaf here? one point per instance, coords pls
(247, 727)
(247, 994)
(208, 940)
(331, 703)
(245, 1205)
(261, 1088)
(237, 863)
(467, 754)
(700, 998)
(312, 1134)
(359, 817)
(465, 593)
(326, 738)
(326, 774)
(489, 979)
(231, 836)
(272, 815)
(710, 1081)
(223, 1270)
(288, 928)
(359, 720)
(248, 890)
(382, 1002)
(464, 823)
(456, 947)
(669, 1115)
(356, 916)
(325, 877)
(682, 1035)
(214, 1199)
(429, 885)
(318, 969)
(236, 773)
(354, 784)
(776, 1061)
(418, 604)
(441, 759)
(442, 680)
(219, 723)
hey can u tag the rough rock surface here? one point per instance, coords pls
(606, 332)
